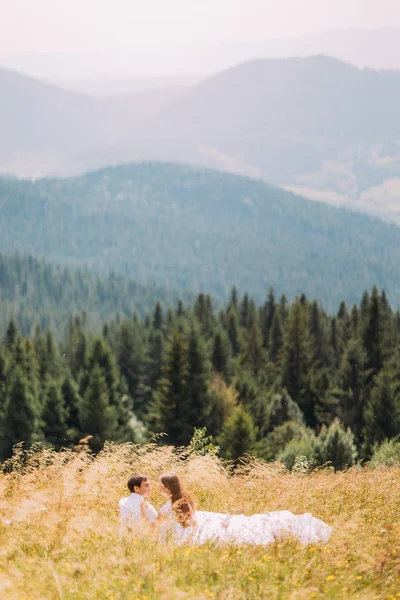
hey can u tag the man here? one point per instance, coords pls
(134, 507)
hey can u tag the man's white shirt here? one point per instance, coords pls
(130, 509)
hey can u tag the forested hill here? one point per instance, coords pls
(33, 292)
(201, 230)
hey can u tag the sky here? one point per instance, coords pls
(150, 29)
(103, 25)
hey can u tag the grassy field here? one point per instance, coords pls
(59, 531)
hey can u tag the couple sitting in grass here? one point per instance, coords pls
(188, 525)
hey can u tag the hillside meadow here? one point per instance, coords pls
(59, 530)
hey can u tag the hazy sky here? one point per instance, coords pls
(121, 25)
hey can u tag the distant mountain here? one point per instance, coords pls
(111, 86)
(377, 48)
(296, 120)
(45, 129)
(317, 125)
(34, 292)
(200, 230)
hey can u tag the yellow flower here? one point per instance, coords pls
(330, 578)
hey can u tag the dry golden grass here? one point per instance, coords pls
(59, 531)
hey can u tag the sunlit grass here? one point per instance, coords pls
(59, 531)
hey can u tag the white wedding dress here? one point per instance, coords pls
(259, 529)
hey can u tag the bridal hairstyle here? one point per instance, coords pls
(135, 481)
(182, 503)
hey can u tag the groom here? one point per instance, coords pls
(134, 507)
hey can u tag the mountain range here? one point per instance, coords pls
(200, 230)
(318, 126)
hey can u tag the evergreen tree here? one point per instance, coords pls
(337, 446)
(167, 414)
(21, 421)
(322, 353)
(245, 312)
(254, 357)
(352, 387)
(281, 408)
(334, 343)
(203, 312)
(296, 360)
(153, 365)
(102, 357)
(238, 435)
(373, 333)
(54, 417)
(234, 299)
(221, 355)
(77, 347)
(158, 319)
(276, 338)
(381, 414)
(354, 321)
(129, 349)
(12, 335)
(197, 405)
(268, 316)
(97, 416)
(72, 403)
(234, 333)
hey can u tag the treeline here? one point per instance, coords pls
(277, 380)
(34, 292)
(197, 230)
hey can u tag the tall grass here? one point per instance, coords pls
(59, 530)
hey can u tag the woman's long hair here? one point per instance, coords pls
(182, 503)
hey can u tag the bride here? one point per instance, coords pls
(189, 525)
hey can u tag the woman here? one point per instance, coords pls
(190, 525)
(180, 503)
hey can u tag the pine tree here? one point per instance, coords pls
(296, 360)
(337, 446)
(152, 370)
(373, 333)
(97, 417)
(276, 338)
(233, 303)
(129, 349)
(167, 413)
(354, 321)
(283, 309)
(254, 357)
(221, 355)
(21, 421)
(12, 335)
(381, 414)
(352, 381)
(203, 312)
(245, 312)
(77, 347)
(334, 343)
(72, 403)
(238, 435)
(269, 310)
(158, 318)
(280, 409)
(54, 416)
(102, 357)
(322, 354)
(234, 333)
(197, 404)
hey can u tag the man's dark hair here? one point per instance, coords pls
(136, 481)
